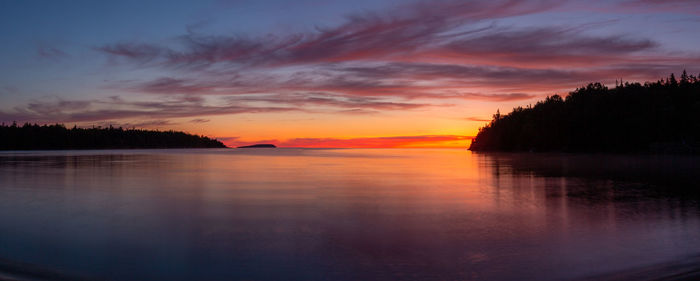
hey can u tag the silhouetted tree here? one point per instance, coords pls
(672, 80)
(57, 136)
(632, 117)
(684, 77)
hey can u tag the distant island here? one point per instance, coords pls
(260, 145)
(57, 137)
(656, 117)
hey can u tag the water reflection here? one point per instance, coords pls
(345, 214)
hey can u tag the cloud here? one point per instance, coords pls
(48, 52)
(655, 6)
(384, 87)
(306, 99)
(404, 30)
(429, 50)
(544, 46)
(505, 59)
(447, 76)
(182, 106)
(141, 53)
(115, 108)
(140, 124)
(199, 120)
(494, 97)
(447, 31)
(170, 85)
(228, 139)
(477, 119)
(411, 56)
(8, 90)
(341, 85)
(391, 85)
(364, 142)
(359, 111)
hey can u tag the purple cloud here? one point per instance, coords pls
(678, 6)
(116, 108)
(328, 99)
(371, 55)
(181, 106)
(199, 120)
(409, 29)
(373, 62)
(546, 47)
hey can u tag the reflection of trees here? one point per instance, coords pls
(632, 117)
(596, 190)
(33, 136)
(602, 177)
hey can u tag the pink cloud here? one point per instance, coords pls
(408, 29)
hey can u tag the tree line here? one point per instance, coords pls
(661, 116)
(57, 136)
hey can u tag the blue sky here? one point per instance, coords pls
(238, 67)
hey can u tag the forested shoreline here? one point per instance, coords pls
(58, 137)
(661, 117)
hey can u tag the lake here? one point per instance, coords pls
(346, 214)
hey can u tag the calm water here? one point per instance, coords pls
(345, 214)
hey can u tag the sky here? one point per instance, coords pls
(312, 73)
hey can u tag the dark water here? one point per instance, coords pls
(347, 214)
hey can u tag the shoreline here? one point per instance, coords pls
(680, 269)
(675, 270)
(20, 271)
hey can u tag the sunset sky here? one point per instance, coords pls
(311, 73)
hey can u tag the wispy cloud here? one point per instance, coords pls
(181, 106)
(545, 46)
(199, 120)
(328, 99)
(401, 81)
(477, 119)
(413, 56)
(369, 35)
(116, 108)
(139, 124)
(49, 52)
(655, 6)
(449, 31)
(429, 52)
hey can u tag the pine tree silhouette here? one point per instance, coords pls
(632, 117)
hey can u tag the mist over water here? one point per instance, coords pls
(345, 214)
